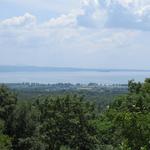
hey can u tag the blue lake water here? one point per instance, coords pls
(72, 77)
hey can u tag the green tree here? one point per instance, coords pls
(67, 121)
(128, 119)
(5, 141)
(8, 102)
(25, 122)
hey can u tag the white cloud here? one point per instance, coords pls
(132, 14)
(94, 14)
(26, 20)
(68, 20)
(96, 34)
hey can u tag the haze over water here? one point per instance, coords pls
(72, 77)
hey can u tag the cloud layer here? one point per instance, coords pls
(97, 33)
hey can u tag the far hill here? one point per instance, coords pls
(61, 69)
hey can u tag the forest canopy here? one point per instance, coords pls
(69, 122)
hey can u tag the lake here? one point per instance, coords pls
(73, 77)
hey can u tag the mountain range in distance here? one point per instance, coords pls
(61, 69)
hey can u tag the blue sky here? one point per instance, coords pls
(75, 33)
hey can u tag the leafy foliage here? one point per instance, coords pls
(129, 119)
(67, 121)
(72, 123)
(5, 142)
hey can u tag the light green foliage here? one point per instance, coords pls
(129, 119)
(5, 142)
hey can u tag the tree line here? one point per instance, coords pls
(71, 123)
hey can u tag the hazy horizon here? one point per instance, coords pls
(13, 67)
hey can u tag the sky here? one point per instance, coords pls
(75, 33)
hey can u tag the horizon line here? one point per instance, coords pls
(73, 68)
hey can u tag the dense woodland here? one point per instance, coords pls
(73, 121)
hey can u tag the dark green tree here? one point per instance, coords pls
(67, 121)
(8, 102)
(5, 141)
(24, 125)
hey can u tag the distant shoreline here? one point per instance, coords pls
(62, 69)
